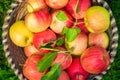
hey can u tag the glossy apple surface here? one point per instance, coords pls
(20, 34)
(76, 71)
(35, 5)
(100, 39)
(42, 38)
(64, 58)
(38, 21)
(78, 45)
(97, 19)
(30, 70)
(56, 4)
(95, 59)
(77, 8)
(64, 76)
(60, 19)
(30, 50)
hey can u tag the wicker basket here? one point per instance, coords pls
(15, 54)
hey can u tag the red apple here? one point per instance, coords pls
(38, 21)
(77, 8)
(29, 50)
(35, 5)
(80, 23)
(60, 19)
(100, 39)
(76, 71)
(95, 59)
(77, 46)
(30, 70)
(64, 76)
(42, 38)
(64, 58)
(56, 4)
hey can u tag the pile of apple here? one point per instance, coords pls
(63, 39)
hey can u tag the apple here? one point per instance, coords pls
(76, 71)
(81, 24)
(64, 76)
(77, 8)
(56, 4)
(64, 58)
(100, 39)
(38, 21)
(42, 38)
(30, 49)
(35, 5)
(30, 70)
(95, 59)
(60, 18)
(20, 34)
(77, 46)
(97, 19)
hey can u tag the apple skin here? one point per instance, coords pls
(43, 37)
(78, 45)
(35, 5)
(82, 26)
(83, 6)
(100, 39)
(97, 19)
(20, 34)
(76, 71)
(29, 50)
(56, 4)
(64, 58)
(95, 59)
(57, 25)
(38, 21)
(30, 70)
(64, 76)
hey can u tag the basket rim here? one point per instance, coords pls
(11, 62)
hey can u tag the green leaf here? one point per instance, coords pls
(71, 34)
(59, 42)
(77, 6)
(61, 16)
(46, 61)
(65, 28)
(47, 45)
(54, 73)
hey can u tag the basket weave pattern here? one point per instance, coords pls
(16, 57)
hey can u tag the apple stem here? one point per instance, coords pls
(78, 77)
(56, 50)
(77, 23)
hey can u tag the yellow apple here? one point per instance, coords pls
(20, 34)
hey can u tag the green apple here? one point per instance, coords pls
(97, 19)
(20, 34)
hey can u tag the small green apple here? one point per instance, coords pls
(20, 34)
(97, 19)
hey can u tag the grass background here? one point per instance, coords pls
(6, 73)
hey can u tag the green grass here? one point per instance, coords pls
(6, 73)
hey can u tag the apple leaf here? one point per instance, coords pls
(54, 73)
(77, 6)
(59, 42)
(61, 16)
(47, 45)
(65, 28)
(72, 33)
(46, 61)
